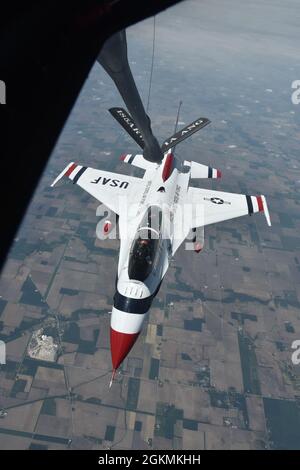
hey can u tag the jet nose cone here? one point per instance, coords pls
(120, 345)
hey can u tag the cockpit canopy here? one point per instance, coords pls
(145, 245)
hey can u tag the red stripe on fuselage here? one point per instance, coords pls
(168, 167)
(260, 203)
(120, 345)
(71, 169)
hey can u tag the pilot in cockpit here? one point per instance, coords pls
(143, 250)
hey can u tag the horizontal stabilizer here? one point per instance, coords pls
(184, 133)
(137, 160)
(266, 210)
(128, 124)
(202, 171)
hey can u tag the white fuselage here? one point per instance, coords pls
(164, 186)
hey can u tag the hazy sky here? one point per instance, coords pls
(225, 42)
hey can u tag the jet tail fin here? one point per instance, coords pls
(184, 133)
(128, 124)
(112, 377)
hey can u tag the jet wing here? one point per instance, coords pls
(105, 186)
(210, 207)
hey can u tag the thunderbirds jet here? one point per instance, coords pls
(163, 209)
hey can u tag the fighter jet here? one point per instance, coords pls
(156, 213)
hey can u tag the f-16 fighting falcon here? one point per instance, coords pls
(162, 210)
